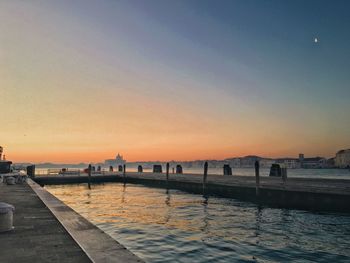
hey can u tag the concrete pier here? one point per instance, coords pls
(38, 236)
(46, 230)
(300, 193)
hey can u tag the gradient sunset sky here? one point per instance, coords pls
(163, 80)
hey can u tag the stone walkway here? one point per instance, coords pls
(38, 236)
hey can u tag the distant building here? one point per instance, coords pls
(290, 163)
(342, 159)
(266, 162)
(233, 162)
(331, 163)
(249, 161)
(301, 158)
(314, 162)
(119, 160)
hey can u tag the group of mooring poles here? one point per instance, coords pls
(205, 176)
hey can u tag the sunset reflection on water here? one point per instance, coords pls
(127, 203)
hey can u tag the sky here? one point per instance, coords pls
(173, 80)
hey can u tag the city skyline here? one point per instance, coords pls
(231, 157)
(171, 80)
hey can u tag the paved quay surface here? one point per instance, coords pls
(46, 230)
(38, 236)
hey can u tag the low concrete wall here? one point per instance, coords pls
(284, 198)
(270, 197)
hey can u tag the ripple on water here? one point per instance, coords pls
(169, 225)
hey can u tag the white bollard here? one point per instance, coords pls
(6, 217)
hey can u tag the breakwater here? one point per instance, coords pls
(300, 193)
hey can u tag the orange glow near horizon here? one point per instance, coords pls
(146, 154)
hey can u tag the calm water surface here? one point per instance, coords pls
(162, 225)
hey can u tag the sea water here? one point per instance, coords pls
(160, 225)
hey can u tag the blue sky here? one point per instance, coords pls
(246, 76)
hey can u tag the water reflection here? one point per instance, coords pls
(123, 193)
(88, 197)
(168, 225)
(258, 215)
(167, 199)
(206, 217)
(168, 207)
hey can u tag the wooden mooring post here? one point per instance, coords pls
(205, 175)
(284, 174)
(257, 177)
(124, 170)
(167, 172)
(89, 176)
(179, 169)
